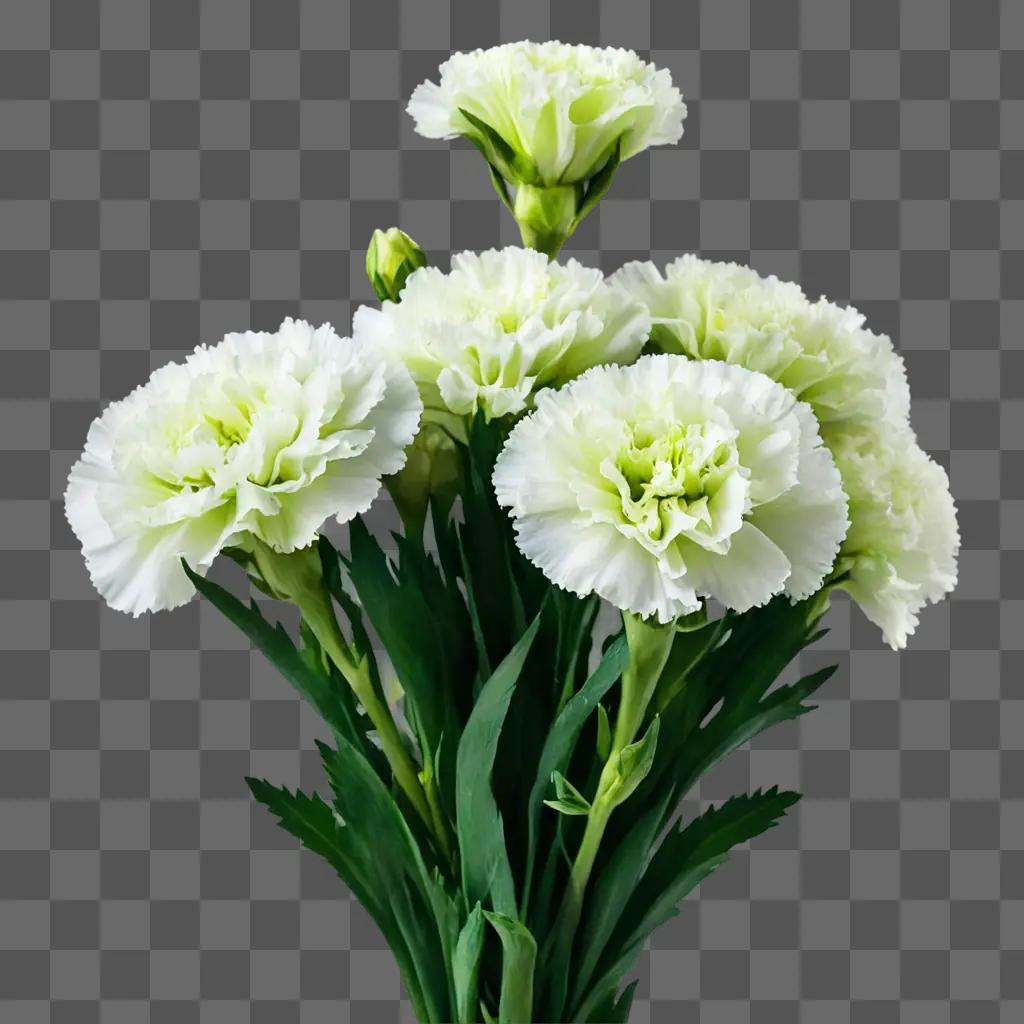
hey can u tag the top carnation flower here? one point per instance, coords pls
(551, 113)
(261, 437)
(821, 352)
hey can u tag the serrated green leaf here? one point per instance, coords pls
(688, 854)
(486, 872)
(315, 825)
(434, 666)
(381, 837)
(685, 857)
(315, 684)
(518, 960)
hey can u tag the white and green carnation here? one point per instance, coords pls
(550, 113)
(662, 483)
(821, 352)
(263, 436)
(501, 325)
(901, 550)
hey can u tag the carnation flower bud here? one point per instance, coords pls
(391, 257)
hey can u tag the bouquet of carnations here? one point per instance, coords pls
(705, 454)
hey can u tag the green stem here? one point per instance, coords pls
(296, 577)
(649, 646)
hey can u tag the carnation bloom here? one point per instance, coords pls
(660, 483)
(550, 113)
(501, 325)
(903, 542)
(263, 436)
(820, 351)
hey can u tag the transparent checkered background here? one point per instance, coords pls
(174, 169)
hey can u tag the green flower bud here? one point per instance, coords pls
(391, 257)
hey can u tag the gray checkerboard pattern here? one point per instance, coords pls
(171, 170)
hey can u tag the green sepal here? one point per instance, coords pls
(500, 187)
(598, 184)
(510, 164)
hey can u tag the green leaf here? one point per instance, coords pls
(604, 734)
(486, 871)
(610, 890)
(330, 563)
(606, 1007)
(382, 841)
(519, 958)
(634, 763)
(569, 799)
(561, 740)
(685, 857)
(316, 826)
(434, 665)
(598, 184)
(689, 854)
(466, 966)
(314, 683)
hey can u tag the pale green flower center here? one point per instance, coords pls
(668, 479)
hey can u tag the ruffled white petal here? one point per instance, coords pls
(264, 434)
(821, 352)
(499, 326)
(658, 484)
(903, 542)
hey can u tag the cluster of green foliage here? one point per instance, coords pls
(510, 728)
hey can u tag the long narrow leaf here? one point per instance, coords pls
(487, 875)
(519, 957)
(466, 966)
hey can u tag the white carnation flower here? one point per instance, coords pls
(660, 483)
(903, 541)
(556, 110)
(822, 352)
(501, 325)
(262, 436)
